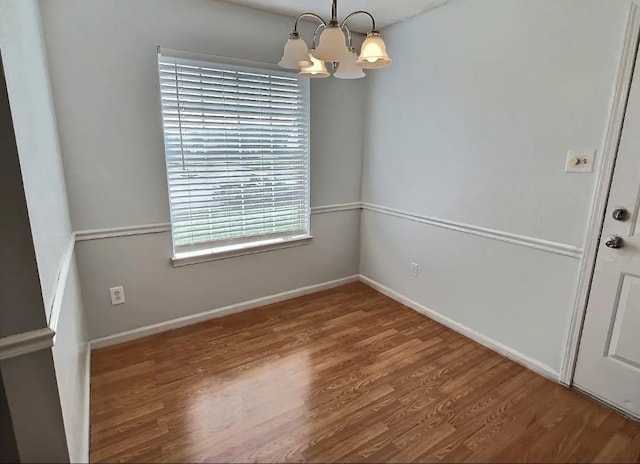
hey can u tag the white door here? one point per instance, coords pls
(609, 356)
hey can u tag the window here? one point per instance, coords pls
(237, 154)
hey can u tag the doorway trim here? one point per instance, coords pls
(601, 195)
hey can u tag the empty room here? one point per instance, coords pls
(319, 231)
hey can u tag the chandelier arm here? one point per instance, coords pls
(315, 34)
(373, 20)
(349, 38)
(305, 15)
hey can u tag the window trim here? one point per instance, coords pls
(219, 252)
(219, 59)
(233, 251)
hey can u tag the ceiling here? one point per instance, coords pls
(386, 12)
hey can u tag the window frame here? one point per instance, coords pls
(209, 251)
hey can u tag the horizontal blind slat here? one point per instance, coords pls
(236, 216)
(202, 224)
(211, 211)
(191, 233)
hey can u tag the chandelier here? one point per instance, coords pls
(332, 43)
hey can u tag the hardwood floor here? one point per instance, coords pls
(343, 375)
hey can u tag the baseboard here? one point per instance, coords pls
(215, 313)
(87, 404)
(490, 343)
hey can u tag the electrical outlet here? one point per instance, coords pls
(414, 270)
(117, 295)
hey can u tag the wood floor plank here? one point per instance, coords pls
(344, 375)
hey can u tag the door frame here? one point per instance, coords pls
(604, 178)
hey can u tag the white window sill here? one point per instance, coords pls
(202, 256)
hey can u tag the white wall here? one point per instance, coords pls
(500, 90)
(156, 292)
(32, 394)
(72, 368)
(471, 124)
(102, 56)
(20, 293)
(37, 138)
(60, 391)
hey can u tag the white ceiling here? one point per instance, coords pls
(386, 12)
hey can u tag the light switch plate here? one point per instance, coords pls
(580, 160)
(415, 269)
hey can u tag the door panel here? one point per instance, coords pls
(625, 326)
(609, 355)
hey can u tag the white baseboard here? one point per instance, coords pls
(215, 313)
(490, 343)
(87, 405)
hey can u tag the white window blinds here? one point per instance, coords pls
(237, 153)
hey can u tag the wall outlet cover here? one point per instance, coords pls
(117, 295)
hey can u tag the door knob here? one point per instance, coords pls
(614, 242)
(620, 214)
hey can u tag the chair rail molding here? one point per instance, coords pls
(336, 208)
(113, 232)
(516, 239)
(146, 229)
(601, 194)
(39, 339)
(500, 235)
(26, 342)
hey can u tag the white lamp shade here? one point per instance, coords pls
(348, 68)
(317, 70)
(332, 46)
(374, 53)
(296, 54)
